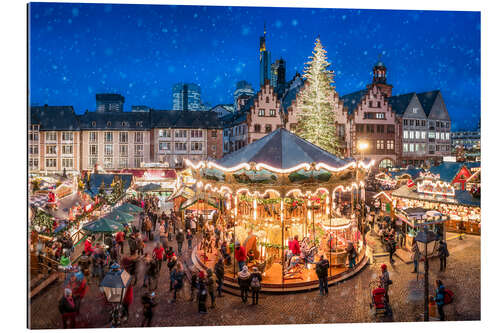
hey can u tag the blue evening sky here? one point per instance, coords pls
(140, 51)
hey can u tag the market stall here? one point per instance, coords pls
(281, 193)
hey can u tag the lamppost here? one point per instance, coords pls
(423, 238)
(113, 286)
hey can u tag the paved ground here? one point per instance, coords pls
(347, 302)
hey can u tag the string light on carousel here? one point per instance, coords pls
(281, 206)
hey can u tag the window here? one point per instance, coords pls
(123, 150)
(423, 147)
(417, 122)
(196, 146)
(370, 128)
(411, 122)
(67, 163)
(405, 134)
(164, 146)
(389, 145)
(442, 135)
(380, 128)
(138, 137)
(370, 104)
(269, 128)
(51, 150)
(34, 149)
(405, 147)
(93, 124)
(138, 162)
(422, 122)
(164, 133)
(92, 161)
(214, 134)
(123, 162)
(67, 136)
(93, 150)
(267, 99)
(412, 134)
(272, 113)
(417, 135)
(50, 136)
(416, 147)
(256, 128)
(380, 115)
(108, 162)
(33, 163)
(182, 146)
(380, 144)
(181, 133)
(390, 129)
(108, 150)
(432, 135)
(422, 134)
(92, 136)
(196, 133)
(34, 136)
(447, 125)
(262, 113)
(214, 148)
(50, 162)
(138, 150)
(67, 150)
(359, 128)
(108, 124)
(412, 147)
(447, 135)
(108, 136)
(405, 122)
(123, 137)
(378, 104)
(138, 124)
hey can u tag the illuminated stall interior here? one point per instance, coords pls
(278, 188)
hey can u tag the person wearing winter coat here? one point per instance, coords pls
(189, 237)
(244, 283)
(202, 297)
(322, 272)
(179, 237)
(158, 255)
(240, 255)
(415, 256)
(211, 287)
(255, 284)
(195, 283)
(443, 254)
(127, 300)
(67, 308)
(148, 304)
(439, 298)
(177, 276)
(385, 281)
(79, 288)
(351, 254)
(219, 273)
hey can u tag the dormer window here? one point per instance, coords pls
(93, 124)
(124, 124)
(108, 124)
(139, 124)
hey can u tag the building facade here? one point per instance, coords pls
(278, 74)
(469, 140)
(53, 140)
(263, 113)
(186, 97)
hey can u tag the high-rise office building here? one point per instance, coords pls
(278, 73)
(265, 60)
(109, 102)
(186, 97)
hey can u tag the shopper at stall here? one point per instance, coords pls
(255, 284)
(443, 254)
(219, 273)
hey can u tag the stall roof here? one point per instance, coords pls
(281, 149)
(447, 170)
(413, 172)
(463, 198)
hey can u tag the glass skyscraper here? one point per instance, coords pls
(186, 97)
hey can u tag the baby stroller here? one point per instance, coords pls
(378, 300)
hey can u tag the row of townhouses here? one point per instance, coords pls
(59, 139)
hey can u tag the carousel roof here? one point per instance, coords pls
(281, 149)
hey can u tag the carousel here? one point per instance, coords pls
(283, 204)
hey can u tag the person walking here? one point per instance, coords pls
(322, 272)
(127, 300)
(211, 287)
(351, 254)
(179, 237)
(219, 273)
(148, 304)
(67, 308)
(189, 237)
(240, 255)
(443, 254)
(148, 227)
(439, 298)
(178, 275)
(385, 281)
(195, 281)
(132, 243)
(140, 245)
(391, 245)
(158, 255)
(202, 296)
(120, 239)
(255, 284)
(244, 283)
(415, 256)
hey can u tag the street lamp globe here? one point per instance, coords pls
(423, 238)
(114, 284)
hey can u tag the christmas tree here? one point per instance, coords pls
(316, 122)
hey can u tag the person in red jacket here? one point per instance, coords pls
(88, 249)
(158, 253)
(120, 238)
(240, 255)
(294, 246)
(127, 300)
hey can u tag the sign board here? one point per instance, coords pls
(449, 158)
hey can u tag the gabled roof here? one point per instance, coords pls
(184, 119)
(233, 119)
(427, 100)
(114, 120)
(352, 100)
(400, 103)
(54, 118)
(291, 95)
(413, 172)
(447, 170)
(281, 149)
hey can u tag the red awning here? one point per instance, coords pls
(152, 173)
